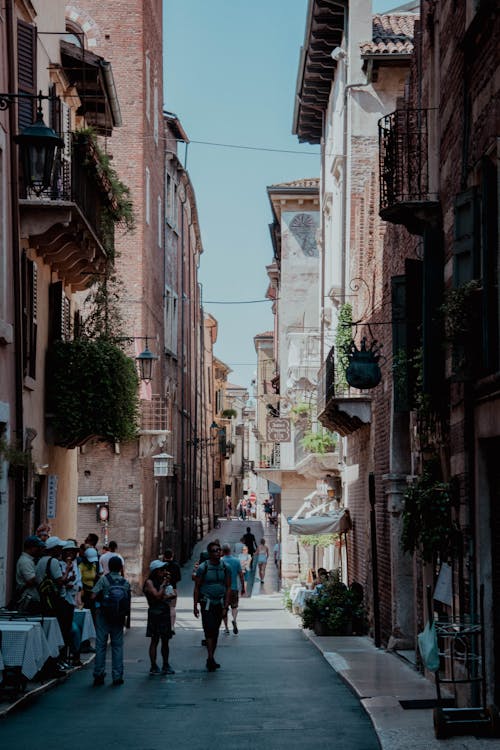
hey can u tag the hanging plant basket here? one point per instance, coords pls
(363, 371)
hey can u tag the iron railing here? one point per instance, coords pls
(74, 180)
(404, 158)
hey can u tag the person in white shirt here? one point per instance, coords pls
(104, 559)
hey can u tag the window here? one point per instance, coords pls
(26, 72)
(30, 304)
(160, 222)
(147, 86)
(171, 316)
(171, 207)
(148, 196)
(155, 113)
(59, 313)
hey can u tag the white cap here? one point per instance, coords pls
(156, 564)
(69, 545)
(91, 554)
(53, 541)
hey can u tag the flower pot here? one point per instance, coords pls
(321, 628)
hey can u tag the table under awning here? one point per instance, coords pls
(330, 523)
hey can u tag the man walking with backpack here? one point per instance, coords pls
(112, 595)
(212, 591)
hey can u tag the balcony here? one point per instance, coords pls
(65, 224)
(406, 196)
(340, 410)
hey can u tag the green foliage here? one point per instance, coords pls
(91, 391)
(322, 441)
(287, 600)
(343, 339)
(427, 521)
(318, 540)
(104, 319)
(229, 413)
(457, 310)
(119, 209)
(335, 607)
(17, 459)
(301, 412)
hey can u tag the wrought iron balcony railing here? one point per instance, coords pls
(76, 179)
(404, 162)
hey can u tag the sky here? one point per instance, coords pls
(230, 76)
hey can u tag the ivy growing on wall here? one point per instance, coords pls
(343, 338)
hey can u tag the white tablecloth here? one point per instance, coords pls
(52, 633)
(24, 645)
(83, 619)
(301, 595)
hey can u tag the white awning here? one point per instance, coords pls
(333, 523)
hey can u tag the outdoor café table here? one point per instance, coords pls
(24, 645)
(85, 623)
(301, 595)
(52, 633)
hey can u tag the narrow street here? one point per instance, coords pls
(274, 688)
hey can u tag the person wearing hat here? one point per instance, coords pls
(72, 593)
(89, 571)
(27, 594)
(54, 604)
(159, 592)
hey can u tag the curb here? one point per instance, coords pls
(32, 695)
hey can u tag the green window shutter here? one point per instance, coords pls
(26, 72)
(466, 262)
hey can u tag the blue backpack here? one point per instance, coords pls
(115, 602)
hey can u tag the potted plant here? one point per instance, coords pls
(320, 441)
(335, 609)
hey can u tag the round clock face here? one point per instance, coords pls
(303, 228)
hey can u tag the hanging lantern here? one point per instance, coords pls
(163, 465)
(363, 371)
(38, 144)
(146, 360)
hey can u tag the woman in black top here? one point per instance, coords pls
(159, 592)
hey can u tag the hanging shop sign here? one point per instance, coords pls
(278, 430)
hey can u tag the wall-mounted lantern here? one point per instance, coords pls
(146, 360)
(163, 465)
(37, 149)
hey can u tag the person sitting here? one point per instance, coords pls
(320, 579)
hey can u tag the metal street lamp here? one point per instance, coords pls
(145, 360)
(37, 145)
(163, 465)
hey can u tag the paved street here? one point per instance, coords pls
(274, 689)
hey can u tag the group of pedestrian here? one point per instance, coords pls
(56, 576)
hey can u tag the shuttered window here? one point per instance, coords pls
(30, 323)
(59, 313)
(466, 239)
(26, 72)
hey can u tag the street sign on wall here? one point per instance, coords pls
(52, 495)
(278, 430)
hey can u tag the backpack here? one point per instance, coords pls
(115, 603)
(49, 593)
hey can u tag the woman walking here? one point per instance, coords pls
(159, 592)
(262, 555)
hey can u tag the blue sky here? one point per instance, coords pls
(230, 74)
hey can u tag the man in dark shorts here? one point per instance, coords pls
(249, 541)
(212, 592)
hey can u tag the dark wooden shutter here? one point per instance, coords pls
(26, 72)
(466, 241)
(59, 313)
(30, 323)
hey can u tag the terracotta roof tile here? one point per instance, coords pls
(392, 34)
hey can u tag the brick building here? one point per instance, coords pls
(52, 244)
(441, 253)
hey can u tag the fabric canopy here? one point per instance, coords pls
(333, 523)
